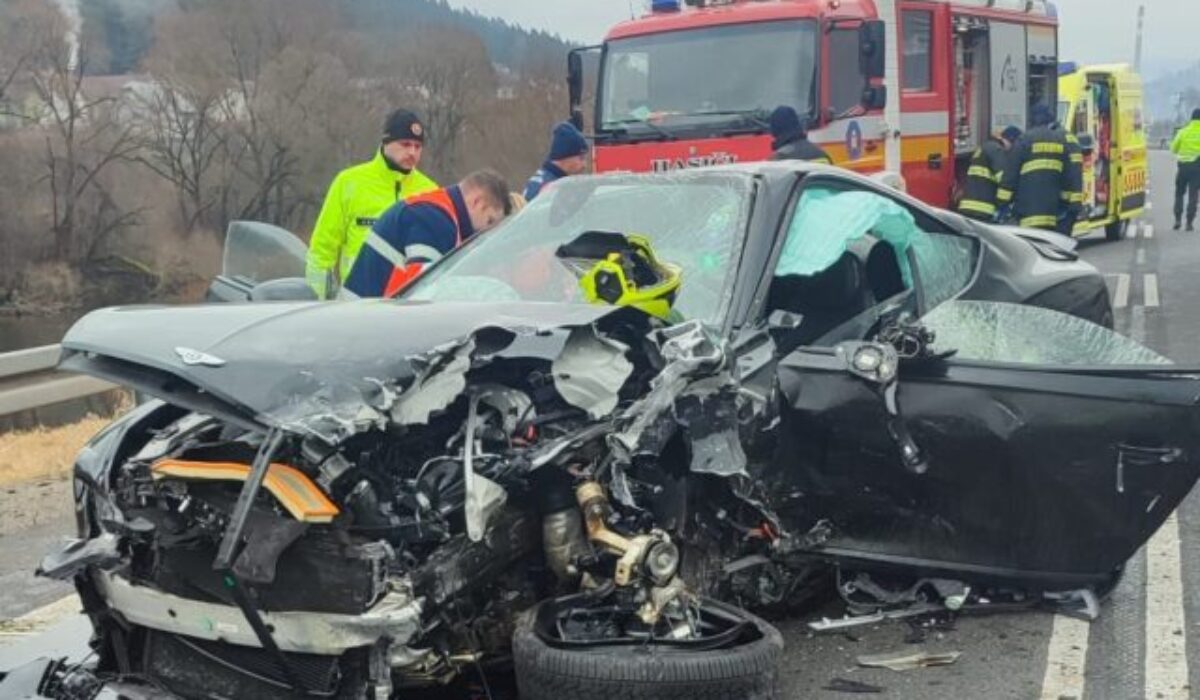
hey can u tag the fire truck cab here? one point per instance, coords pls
(908, 86)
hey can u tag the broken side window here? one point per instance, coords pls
(1012, 333)
(849, 251)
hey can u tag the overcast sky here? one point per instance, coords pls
(1093, 31)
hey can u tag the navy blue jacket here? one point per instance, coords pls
(408, 236)
(548, 173)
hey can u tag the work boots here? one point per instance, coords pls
(1178, 225)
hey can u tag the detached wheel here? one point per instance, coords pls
(736, 656)
(1116, 230)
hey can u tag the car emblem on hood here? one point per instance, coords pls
(194, 358)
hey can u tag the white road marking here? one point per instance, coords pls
(1137, 324)
(1066, 659)
(1148, 231)
(1121, 295)
(1166, 641)
(1150, 290)
(1141, 256)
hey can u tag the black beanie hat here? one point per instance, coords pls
(403, 125)
(786, 126)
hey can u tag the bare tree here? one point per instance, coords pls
(82, 136)
(447, 75)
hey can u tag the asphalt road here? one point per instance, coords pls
(1146, 643)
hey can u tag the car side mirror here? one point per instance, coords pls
(874, 97)
(872, 46)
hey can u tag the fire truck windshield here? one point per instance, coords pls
(730, 76)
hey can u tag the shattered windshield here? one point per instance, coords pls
(1012, 333)
(696, 221)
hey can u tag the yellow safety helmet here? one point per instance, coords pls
(626, 272)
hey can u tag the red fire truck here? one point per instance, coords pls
(909, 86)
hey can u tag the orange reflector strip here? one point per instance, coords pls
(291, 487)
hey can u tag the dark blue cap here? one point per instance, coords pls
(567, 142)
(1011, 133)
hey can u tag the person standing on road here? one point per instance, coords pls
(1044, 185)
(359, 195)
(1186, 148)
(790, 138)
(567, 156)
(984, 176)
(419, 230)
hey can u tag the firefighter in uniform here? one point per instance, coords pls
(359, 195)
(1186, 147)
(567, 156)
(418, 231)
(790, 139)
(1044, 185)
(984, 176)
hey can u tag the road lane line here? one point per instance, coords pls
(1166, 642)
(1141, 256)
(1066, 659)
(1121, 295)
(1148, 231)
(1150, 290)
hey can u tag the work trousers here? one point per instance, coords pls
(1066, 223)
(1187, 184)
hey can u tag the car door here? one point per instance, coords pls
(1044, 449)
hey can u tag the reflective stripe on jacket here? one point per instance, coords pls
(356, 199)
(1045, 178)
(983, 179)
(409, 236)
(1186, 145)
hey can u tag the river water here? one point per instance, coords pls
(20, 332)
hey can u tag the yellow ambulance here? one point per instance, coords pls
(1102, 107)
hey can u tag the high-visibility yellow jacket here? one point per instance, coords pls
(1186, 145)
(356, 199)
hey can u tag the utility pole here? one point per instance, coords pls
(1137, 52)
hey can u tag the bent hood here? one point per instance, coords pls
(247, 363)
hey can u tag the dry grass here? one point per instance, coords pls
(44, 453)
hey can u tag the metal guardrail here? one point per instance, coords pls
(29, 380)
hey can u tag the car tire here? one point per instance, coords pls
(748, 671)
(1116, 230)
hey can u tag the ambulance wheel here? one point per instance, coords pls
(1116, 230)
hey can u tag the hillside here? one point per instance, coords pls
(123, 30)
(1161, 95)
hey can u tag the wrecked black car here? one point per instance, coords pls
(363, 499)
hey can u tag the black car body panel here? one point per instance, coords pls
(1054, 476)
(248, 362)
(482, 456)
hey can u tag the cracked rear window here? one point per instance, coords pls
(694, 220)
